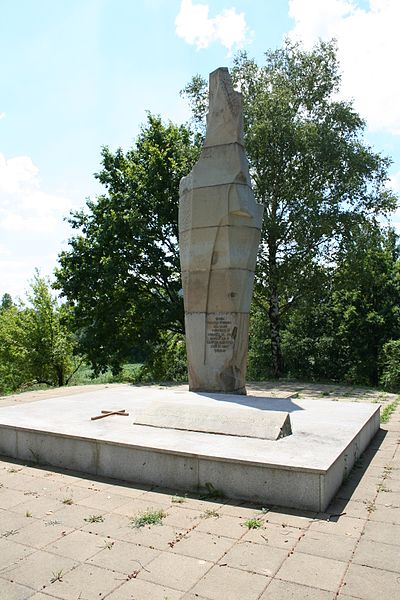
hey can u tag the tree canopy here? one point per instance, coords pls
(121, 271)
(310, 166)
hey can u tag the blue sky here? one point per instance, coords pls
(78, 74)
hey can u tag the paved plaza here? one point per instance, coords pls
(71, 537)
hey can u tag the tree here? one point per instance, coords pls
(36, 344)
(310, 166)
(121, 271)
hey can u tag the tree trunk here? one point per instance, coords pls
(60, 375)
(274, 320)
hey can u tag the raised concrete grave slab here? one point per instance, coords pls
(231, 420)
(302, 470)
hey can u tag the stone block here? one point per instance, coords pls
(225, 420)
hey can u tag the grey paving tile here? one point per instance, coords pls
(386, 514)
(122, 556)
(37, 569)
(103, 501)
(368, 583)
(202, 545)
(382, 532)
(271, 534)
(39, 533)
(10, 499)
(283, 590)
(138, 589)
(176, 571)
(12, 553)
(226, 582)
(255, 558)
(343, 525)
(182, 517)
(14, 591)
(290, 518)
(378, 555)
(232, 527)
(77, 545)
(338, 547)
(156, 536)
(315, 571)
(86, 581)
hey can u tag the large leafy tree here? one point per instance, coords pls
(121, 271)
(36, 343)
(310, 166)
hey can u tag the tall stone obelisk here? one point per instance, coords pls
(219, 234)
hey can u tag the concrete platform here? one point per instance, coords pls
(303, 470)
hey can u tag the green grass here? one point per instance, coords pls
(253, 523)
(94, 519)
(148, 518)
(389, 410)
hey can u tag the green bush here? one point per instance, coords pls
(390, 366)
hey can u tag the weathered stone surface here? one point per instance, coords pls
(232, 420)
(219, 225)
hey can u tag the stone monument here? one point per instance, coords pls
(219, 233)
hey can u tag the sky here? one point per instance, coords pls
(80, 74)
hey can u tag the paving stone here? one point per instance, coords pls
(11, 521)
(113, 526)
(244, 510)
(290, 518)
(77, 545)
(122, 556)
(378, 555)
(155, 536)
(388, 498)
(315, 571)
(382, 532)
(138, 589)
(344, 525)
(40, 533)
(351, 508)
(176, 571)
(232, 527)
(182, 517)
(12, 553)
(255, 558)
(86, 581)
(202, 545)
(368, 583)
(128, 490)
(14, 591)
(225, 582)
(135, 506)
(273, 535)
(38, 506)
(283, 590)
(37, 569)
(9, 499)
(104, 501)
(75, 515)
(386, 514)
(338, 547)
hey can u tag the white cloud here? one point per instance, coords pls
(193, 25)
(368, 49)
(32, 228)
(24, 206)
(2, 115)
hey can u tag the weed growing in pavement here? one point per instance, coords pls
(212, 492)
(7, 534)
(108, 545)
(67, 501)
(389, 410)
(28, 513)
(148, 518)
(94, 519)
(253, 523)
(178, 499)
(209, 512)
(57, 576)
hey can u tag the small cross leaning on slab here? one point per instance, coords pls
(108, 413)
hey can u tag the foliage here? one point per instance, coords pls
(36, 345)
(311, 170)
(148, 518)
(390, 365)
(389, 410)
(121, 271)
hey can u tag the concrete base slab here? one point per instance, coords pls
(303, 470)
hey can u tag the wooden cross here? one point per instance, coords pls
(108, 413)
